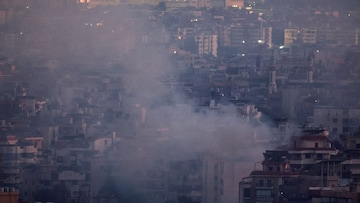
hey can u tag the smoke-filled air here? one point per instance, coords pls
(178, 101)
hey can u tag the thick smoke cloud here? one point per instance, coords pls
(178, 129)
(161, 130)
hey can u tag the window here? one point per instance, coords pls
(268, 182)
(319, 156)
(316, 145)
(334, 120)
(247, 192)
(270, 168)
(307, 156)
(263, 193)
(335, 130)
(325, 199)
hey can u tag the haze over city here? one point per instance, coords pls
(191, 101)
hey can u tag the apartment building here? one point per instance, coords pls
(199, 178)
(337, 120)
(15, 155)
(317, 35)
(351, 166)
(265, 185)
(237, 35)
(308, 149)
(299, 172)
(290, 36)
(10, 164)
(207, 44)
(9, 195)
(234, 3)
(249, 35)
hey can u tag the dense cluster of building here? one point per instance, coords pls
(310, 169)
(175, 101)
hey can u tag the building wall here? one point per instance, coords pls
(234, 3)
(200, 178)
(337, 120)
(254, 34)
(290, 36)
(213, 181)
(224, 36)
(233, 173)
(267, 36)
(207, 44)
(71, 175)
(101, 144)
(10, 165)
(187, 3)
(309, 36)
(30, 185)
(237, 36)
(9, 197)
(290, 96)
(314, 144)
(329, 36)
(103, 2)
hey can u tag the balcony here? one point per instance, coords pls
(303, 161)
(247, 180)
(264, 195)
(355, 170)
(264, 186)
(12, 180)
(264, 199)
(11, 171)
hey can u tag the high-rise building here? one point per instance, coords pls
(207, 44)
(290, 36)
(318, 35)
(198, 178)
(266, 36)
(10, 162)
